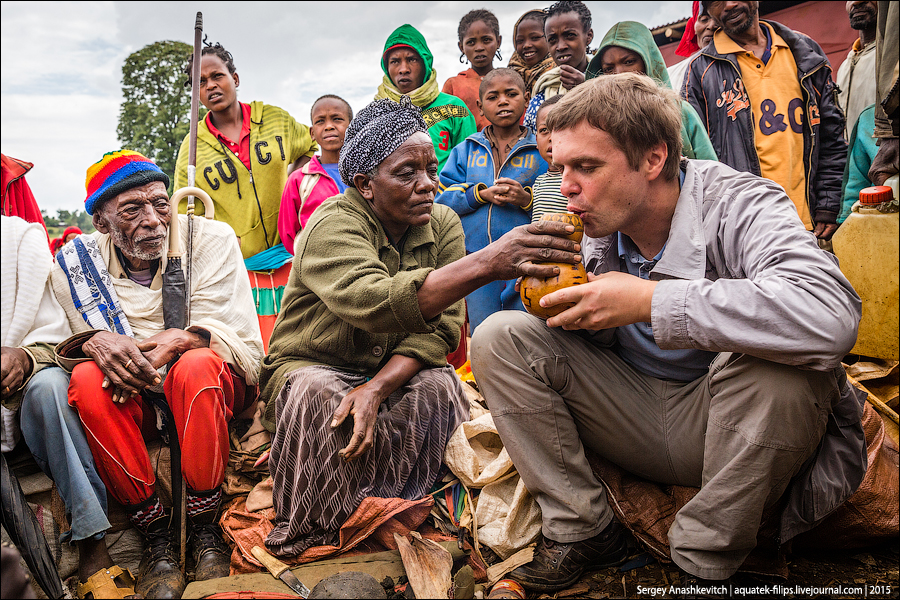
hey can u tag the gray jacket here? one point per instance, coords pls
(741, 274)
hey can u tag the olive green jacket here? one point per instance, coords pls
(350, 301)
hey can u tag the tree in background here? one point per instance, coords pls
(155, 115)
(65, 218)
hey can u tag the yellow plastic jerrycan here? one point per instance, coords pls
(868, 249)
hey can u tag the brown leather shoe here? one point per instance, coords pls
(557, 566)
(160, 575)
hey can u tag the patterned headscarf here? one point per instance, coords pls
(376, 132)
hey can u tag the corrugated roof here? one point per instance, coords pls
(679, 22)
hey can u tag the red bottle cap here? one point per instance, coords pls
(875, 195)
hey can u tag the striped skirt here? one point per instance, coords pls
(268, 289)
(315, 491)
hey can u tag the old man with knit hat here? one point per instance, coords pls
(110, 285)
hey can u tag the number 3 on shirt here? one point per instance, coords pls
(445, 140)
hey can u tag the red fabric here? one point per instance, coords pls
(70, 230)
(266, 327)
(688, 44)
(274, 280)
(385, 53)
(17, 200)
(458, 357)
(370, 528)
(376, 518)
(242, 147)
(465, 87)
(203, 394)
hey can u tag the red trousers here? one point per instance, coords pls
(203, 394)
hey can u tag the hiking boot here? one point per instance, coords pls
(557, 566)
(160, 575)
(212, 556)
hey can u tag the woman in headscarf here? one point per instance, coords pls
(532, 56)
(407, 65)
(352, 341)
(629, 47)
(70, 234)
(357, 386)
(698, 33)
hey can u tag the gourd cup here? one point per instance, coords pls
(532, 289)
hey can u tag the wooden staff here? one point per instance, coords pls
(192, 154)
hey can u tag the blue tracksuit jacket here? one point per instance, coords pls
(469, 164)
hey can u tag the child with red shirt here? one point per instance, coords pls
(479, 43)
(319, 179)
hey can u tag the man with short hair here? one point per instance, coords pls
(110, 286)
(705, 349)
(765, 95)
(856, 75)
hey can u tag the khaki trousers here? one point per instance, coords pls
(739, 434)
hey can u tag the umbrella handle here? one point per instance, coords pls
(174, 226)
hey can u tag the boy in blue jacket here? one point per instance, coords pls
(487, 180)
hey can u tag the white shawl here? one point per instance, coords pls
(30, 312)
(221, 299)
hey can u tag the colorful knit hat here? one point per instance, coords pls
(117, 172)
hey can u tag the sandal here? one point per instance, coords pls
(102, 584)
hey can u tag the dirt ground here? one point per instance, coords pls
(868, 573)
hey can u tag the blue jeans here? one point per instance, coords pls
(56, 438)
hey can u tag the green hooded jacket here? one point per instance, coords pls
(637, 38)
(447, 117)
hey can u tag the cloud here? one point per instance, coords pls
(72, 133)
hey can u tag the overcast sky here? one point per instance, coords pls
(62, 63)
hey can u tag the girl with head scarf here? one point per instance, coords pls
(69, 234)
(532, 56)
(55, 245)
(408, 71)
